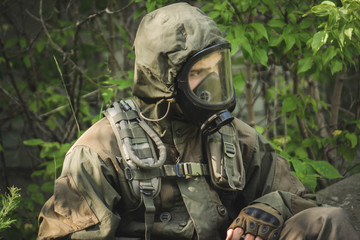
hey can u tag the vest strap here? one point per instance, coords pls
(229, 150)
(147, 191)
(129, 115)
(182, 170)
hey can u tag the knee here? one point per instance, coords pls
(323, 217)
(332, 212)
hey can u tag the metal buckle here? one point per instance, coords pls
(177, 170)
(129, 174)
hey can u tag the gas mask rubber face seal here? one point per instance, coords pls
(205, 90)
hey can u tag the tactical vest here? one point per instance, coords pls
(143, 155)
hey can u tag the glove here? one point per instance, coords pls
(259, 220)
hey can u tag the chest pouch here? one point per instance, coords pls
(225, 159)
(139, 159)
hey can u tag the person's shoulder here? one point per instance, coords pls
(243, 128)
(99, 137)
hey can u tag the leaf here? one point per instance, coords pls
(124, 84)
(22, 43)
(245, 44)
(357, 32)
(47, 187)
(289, 41)
(305, 23)
(33, 142)
(38, 198)
(301, 153)
(298, 165)
(329, 54)
(352, 138)
(259, 129)
(276, 22)
(214, 14)
(262, 56)
(269, 3)
(310, 181)
(37, 173)
(348, 32)
(40, 46)
(33, 188)
(329, 3)
(304, 64)
(319, 39)
(150, 6)
(275, 41)
(323, 9)
(342, 37)
(234, 38)
(260, 29)
(239, 81)
(139, 12)
(336, 66)
(289, 104)
(326, 169)
(27, 62)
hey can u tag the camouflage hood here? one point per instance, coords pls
(165, 39)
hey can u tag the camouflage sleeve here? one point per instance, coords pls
(270, 181)
(83, 200)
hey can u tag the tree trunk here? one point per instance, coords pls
(249, 94)
(320, 119)
(335, 104)
(300, 122)
(329, 153)
(3, 165)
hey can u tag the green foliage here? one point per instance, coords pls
(9, 202)
(50, 150)
(307, 41)
(338, 35)
(308, 171)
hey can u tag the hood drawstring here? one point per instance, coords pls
(171, 100)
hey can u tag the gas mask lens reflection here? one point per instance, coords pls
(208, 78)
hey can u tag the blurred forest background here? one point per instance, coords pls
(295, 69)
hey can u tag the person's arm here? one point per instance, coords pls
(271, 190)
(84, 199)
(275, 185)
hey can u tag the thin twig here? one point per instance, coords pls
(67, 95)
(59, 49)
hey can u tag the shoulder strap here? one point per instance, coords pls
(133, 138)
(139, 161)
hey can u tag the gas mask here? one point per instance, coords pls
(205, 90)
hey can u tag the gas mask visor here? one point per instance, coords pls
(206, 86)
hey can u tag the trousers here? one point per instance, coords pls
(319, 223)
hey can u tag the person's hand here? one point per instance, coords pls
(235, 234)
(258, 222)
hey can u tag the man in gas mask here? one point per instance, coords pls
(172, 163)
